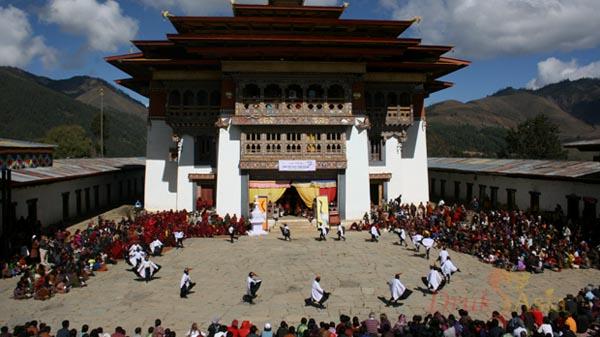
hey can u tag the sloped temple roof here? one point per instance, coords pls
(285, 30)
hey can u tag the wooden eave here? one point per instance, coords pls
(299, 52)
(434, 86)
(254, 25)
(287, 11)
(138, 85)
(291, 39)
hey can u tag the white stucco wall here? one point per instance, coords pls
(49, 196)
(413, 165)
(357, 197)
(552, 192)
(161, 174)
(407, 162)
(229, 182)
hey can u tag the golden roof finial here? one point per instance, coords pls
(166, 14)
(417, 19)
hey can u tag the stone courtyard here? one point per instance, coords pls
(355, 272)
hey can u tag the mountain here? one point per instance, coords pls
(32, 104)
(573, 105)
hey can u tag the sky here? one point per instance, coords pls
(517, 43)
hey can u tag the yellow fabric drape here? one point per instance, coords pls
(272, 193)
(308, 192)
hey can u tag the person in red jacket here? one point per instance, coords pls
(233, 328)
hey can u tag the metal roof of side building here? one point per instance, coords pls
(13, 143)
(585, 145)
(552, 169)
(65, 169)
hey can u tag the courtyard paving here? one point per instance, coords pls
(354, 271)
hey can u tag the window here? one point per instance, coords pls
(368, 100)
(88, 204)
(78, 202)
(392, 99)
(510, 198)
(432, 187)
(120, 190)
(376, 147)
(482, 193)
(442, 188)
(405, 99)
(315, 92)
(469, 192)
(215, 98)
(379, 100)
(202, 98)
(128, 188)
(65, 206)
(573, 206)
(457, 190)
(135, 187)
(294, 93)
(205, 147)
(335, 93)
(188, 98)
(534, 201)
(174, 98)
(273, 93)
(494, 196)
(251, 92)
(97, 196)
(108, 194)
(32, 210)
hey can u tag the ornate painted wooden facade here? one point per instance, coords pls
(284, 81)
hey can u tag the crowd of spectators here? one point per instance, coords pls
(513, 240)
(57, 261)
(573, 315)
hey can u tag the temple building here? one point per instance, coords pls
(286, 101)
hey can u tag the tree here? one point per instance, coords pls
(72, 141)
(96, 130)
(535, 138)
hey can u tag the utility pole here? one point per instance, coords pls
(102, 122)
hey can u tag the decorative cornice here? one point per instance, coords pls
(380, 176)
(274, 165)
(202, 176)
(223, 123)
(292, 120)
(364, 124)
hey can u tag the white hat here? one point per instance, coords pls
(268, 326)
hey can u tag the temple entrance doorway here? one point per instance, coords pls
(291, 204)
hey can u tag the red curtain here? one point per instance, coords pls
(330, 192)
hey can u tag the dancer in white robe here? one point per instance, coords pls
(416, 239)
(323, 230)
(318, 296)
(434, 280)
(156, 247)
(397, 289)
(341, 232)
(136, 257)
(448, 268)
(186, 284)
(285, 231)
(252, 286)
(443, 255)
(401, 236)
(147, 269)
(427, 243)
(178, 234)
(374, 233)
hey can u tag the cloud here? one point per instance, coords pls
(18, 45)
(214, 7)
(553, 70)
(484, 28)
(103, 24)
